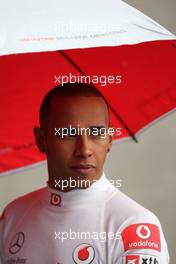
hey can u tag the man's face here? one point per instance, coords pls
(81, 156)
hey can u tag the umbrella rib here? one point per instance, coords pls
(71, 62)
(112, 109)
(123, 123)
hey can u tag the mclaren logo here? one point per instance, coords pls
(16, 243)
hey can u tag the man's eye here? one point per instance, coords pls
(97, 132)
(68, 134)
(94, 132)
(71, 135)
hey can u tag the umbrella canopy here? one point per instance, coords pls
(138, 81)
(58, 25)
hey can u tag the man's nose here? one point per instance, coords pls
(83, 147)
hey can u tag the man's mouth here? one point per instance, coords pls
(83, 168)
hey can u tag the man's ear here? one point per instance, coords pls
(40, 139)
(111, 136)
(110, 143)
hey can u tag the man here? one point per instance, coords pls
(79, 217)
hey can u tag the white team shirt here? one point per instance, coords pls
(98, 225)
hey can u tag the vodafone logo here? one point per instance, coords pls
(143, 231)
(83, 254)
(55, 199)
(141, 236)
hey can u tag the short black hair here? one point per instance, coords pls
(67, 90)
